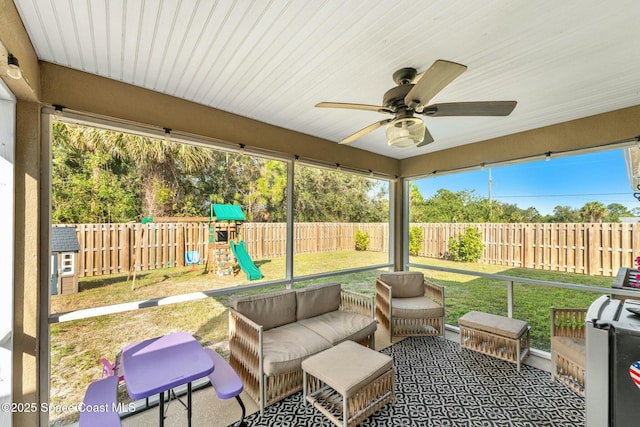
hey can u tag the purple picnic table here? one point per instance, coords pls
(156, 365)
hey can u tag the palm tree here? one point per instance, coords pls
(93, 147)
(593, 212)
(160, 164)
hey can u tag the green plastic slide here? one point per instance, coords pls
(246, 264)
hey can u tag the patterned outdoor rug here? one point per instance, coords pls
(437, 384)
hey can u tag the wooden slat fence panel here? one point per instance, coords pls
(583, 248)
(118, 248)
(594, 249)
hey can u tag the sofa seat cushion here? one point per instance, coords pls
(417, 307)
(285, 347)
(571, 348)
(338, 326)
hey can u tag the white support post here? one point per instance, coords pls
(7, 186)
(510, 298)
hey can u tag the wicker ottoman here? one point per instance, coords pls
(498, 336)
(348, 382)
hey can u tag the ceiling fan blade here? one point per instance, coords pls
(428, 139)
(377, 108)
(488, 108)
(363, 132)
(436, 78)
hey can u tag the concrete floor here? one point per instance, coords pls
(210, 411)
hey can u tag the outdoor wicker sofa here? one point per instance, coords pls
(270, 334)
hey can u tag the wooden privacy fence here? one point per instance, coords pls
(585, 248)
(118, 248)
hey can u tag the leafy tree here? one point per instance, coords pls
(89, 185)
(531, 214)
(324, 195)
(445, 206)
(102, 176)
(417, 204)
(565, 214)
(158, 166)
(483, 210)
(271, 193)
(465, 206)
(511, 213)
(616, 210)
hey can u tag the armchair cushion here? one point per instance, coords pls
(271, 309)
(416, 307)
(315, 300)
(338, 326)
(404, 284)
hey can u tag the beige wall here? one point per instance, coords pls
(67, 87)
(14, 39)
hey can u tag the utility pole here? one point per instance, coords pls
(490, 206)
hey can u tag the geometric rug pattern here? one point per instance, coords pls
(438, 384)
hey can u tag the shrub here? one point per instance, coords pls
(416, 236)
(468, 247)
(362, 240)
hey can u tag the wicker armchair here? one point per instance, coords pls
(568, 347)
(409, 305)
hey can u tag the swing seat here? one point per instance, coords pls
(192, 257)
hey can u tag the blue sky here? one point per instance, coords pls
(572, 180)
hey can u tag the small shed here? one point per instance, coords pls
(64, 249)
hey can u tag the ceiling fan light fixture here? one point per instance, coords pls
(405, 132)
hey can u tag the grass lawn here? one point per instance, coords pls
(77, 346)
(531, 302)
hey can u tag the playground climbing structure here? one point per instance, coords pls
(226, 250)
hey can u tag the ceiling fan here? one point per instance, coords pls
(408, 98)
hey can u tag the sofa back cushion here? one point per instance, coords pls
(404, 284)
(270, 309)
(315, 300)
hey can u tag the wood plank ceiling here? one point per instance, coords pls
(274, 60)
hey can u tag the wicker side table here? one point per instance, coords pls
(348, 382)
